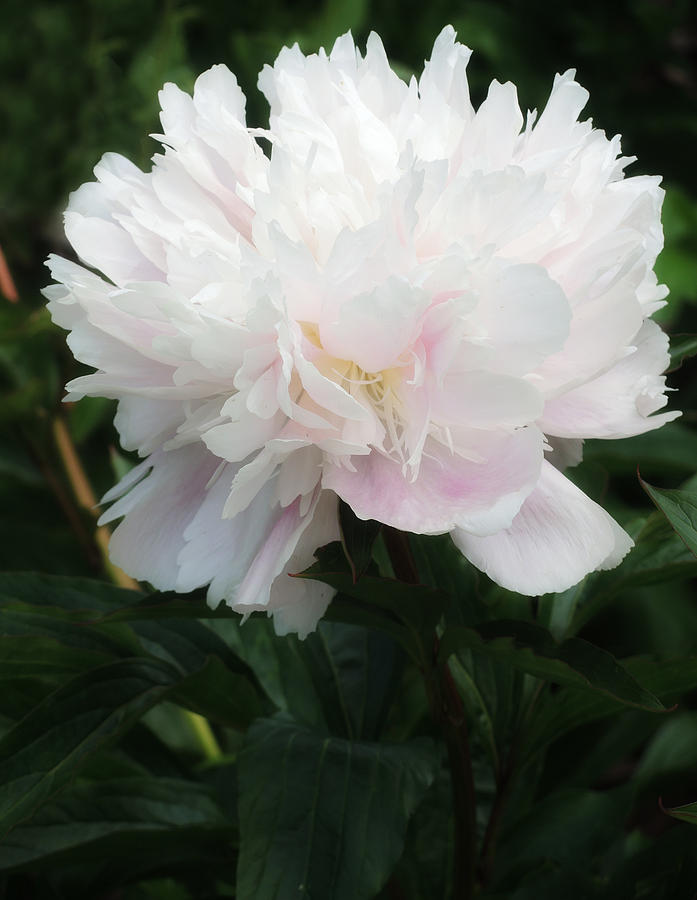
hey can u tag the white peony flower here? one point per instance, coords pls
(416, 306)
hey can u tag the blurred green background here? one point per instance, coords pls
(80, 78)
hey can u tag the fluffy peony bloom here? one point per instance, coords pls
(388, 297)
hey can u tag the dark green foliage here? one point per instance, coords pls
(323, 816)
(324, 773)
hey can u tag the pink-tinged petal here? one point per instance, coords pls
(558, 125)
(219, 552)
(144, 423)
(448, 490)
(123, 486)
(281, 542)
(298, 474)
(485, 400)
(617, 403)
(299, 603)
(234, 441)
(107, 247)
(248, 481)
(600, 331)
(557, 538)
(350, 331)
(327, 394)
(522, 315)
(157, 511)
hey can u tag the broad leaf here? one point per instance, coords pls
(671, 751)
(38, 656)
(46, 748)
(223, 696)
(658, 556)
(219, 684)
(532, 649)
(664, 869)
(322, 816)
(357, 539)
(354, 671)
(60, 639)
(680, 508)
(340, 679)
(403, 610)
(672, 448)
(153, 819)
(68, 593)
(570, 707)
(51, 641)
(568, 828)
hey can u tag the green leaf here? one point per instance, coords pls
(570, 707)
(219, 684)
(339, 679)
(221, 695)
(357, 539)
(66, 592)
(322, 816)
(442, 567)
(150, 819)
(672, 750)
(87, 415)
(533, 650)
(39, 656)
(569, 827)
(46, 748)
(403, 610)
(672, 448)
(166, 605)
(662, 869)
(686, 813)
(682, 347)
(36, 640)
(680, 508)
(659, 556)
(280, 665)
(354, 671)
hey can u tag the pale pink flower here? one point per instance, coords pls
(416, 306)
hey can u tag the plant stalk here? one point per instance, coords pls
(449, 715)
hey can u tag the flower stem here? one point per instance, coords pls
(449, 715)
(493, 828)
(82, 490)
(7, 285)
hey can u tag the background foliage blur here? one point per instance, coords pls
(80, 77)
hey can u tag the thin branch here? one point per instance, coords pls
(449, 715)
(82, 489)
(7, 285)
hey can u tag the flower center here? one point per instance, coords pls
(380, 391)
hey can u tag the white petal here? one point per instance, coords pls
(558, 537)
(618, 403)
(147, 543)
